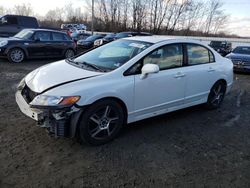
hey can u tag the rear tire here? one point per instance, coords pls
(216, 95)
(101, 122)
(16, 55)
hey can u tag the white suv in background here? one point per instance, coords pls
(93, 95)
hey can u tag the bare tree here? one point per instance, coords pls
(213, 12)
(23, 9)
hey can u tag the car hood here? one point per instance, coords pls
(11, 39)
(55, 74)
(242, 57)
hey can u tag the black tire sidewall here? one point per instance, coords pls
(9, 55)
(83, 133)
(209, 104)
(65, 54)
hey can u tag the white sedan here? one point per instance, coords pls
(93, 95)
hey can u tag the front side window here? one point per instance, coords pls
(8, 21)
(42, 36)
(166, 57)
(170, 56)
(198, 55)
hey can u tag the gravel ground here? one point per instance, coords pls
(193, 147)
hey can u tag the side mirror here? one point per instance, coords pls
(149, 69)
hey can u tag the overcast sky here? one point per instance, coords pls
(239, 10)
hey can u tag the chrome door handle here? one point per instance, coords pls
(179, 75)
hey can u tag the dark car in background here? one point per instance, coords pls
(131, 34)
(13, 24)
(112, 36)
(240, 57)
(108, 38)
(88, 43)
(37, 43)
(222, 47)
(79, 36)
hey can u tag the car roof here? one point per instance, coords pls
(156, 38)
(14, 15)
(50, 30)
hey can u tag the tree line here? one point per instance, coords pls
(172, 17)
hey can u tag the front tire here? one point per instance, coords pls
(16, 55)
(101, 122)
(216, 95)
(69, 53)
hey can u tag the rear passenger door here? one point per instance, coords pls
(201, 73)
(59, 44)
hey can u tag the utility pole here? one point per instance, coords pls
(93, 17)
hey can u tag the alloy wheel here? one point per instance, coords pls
(16, 55)
(218, 94)
(102, 124)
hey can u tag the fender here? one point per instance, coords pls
(17, 46)
(91, 99)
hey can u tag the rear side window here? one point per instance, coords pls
(198, 55)
(66, 37)
(170, 56)
(58, 37)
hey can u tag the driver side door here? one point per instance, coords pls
(40, 45)
(164, 91)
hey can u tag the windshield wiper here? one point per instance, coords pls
(93, 66)
(86, 64)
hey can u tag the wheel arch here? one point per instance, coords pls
(18, 47)
(69, 48)
(220, 80)
(75, 118)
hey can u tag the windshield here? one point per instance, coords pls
(114, 54)
(92, 38)
(24, 34)
(242, 50)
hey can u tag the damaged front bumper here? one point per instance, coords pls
(58, 122)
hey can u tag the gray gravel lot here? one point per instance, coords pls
(193, 147)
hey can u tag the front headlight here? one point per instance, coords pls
(44, 101)
(3, 43)
(80, 42)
